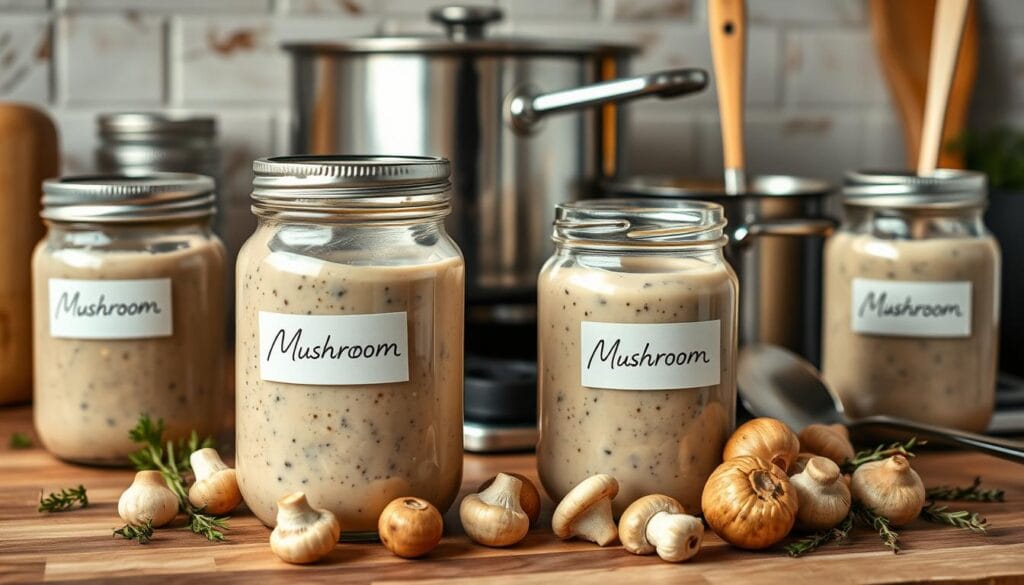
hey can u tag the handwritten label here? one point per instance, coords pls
(334, 350)
(657, 356)
(110, 309)
(911, 309)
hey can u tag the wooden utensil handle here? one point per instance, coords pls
(950, 16)
(727, 24)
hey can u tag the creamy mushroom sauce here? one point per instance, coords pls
(652, 441)
(947, 381)
(350, 448)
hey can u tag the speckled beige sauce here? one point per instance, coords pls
(90, 392)
(942, 381)
(652, 441)
(354, 448)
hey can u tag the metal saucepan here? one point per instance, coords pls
(487, 103)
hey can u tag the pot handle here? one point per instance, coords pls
(744, 234)
(524, 108)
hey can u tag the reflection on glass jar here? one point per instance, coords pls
(128, 305)
(912, 300)
(350, 325)
(637, 348)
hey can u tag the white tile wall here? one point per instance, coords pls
(817, 101)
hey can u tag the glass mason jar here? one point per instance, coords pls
(637, 377)
(128, 311)
(912, 300)
(350, 324)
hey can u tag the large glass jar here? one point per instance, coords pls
(637, 354)
(128, 312)
(350, 328)
(912, 300)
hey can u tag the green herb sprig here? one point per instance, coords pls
(143, 533)
(20, 441)
(882, 452)
(959, 518)
(63, 500)
(171, 459)
(971, 493)
(890, 538)
(812, 542)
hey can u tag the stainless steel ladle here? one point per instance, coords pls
(777, 383)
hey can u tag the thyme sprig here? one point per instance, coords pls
(812, 542)
(20, 441)
(171, 459)
(882, 452)
(143, 533)
(971, 493)
(63, 500)
(890, 538)
(959, 518)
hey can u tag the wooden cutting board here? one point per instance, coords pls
(77, 546)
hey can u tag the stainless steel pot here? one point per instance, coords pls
(776, 232)
(487, 104)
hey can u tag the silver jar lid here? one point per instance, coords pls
(332, 183)
(151, 127)
(128, 198)
(656, 223)
(943, 189)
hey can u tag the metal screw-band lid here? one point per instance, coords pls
(337, 182)
(142, 126)
(128, 198)
(943, 189)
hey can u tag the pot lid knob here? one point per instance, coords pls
(466, 23)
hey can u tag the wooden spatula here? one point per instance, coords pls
(727, 25)
(950, 16)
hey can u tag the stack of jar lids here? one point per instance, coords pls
(123, 198)
(943, 189)
(145, 142)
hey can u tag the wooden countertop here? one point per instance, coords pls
(77, 546)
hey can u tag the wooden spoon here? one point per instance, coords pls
(727, 25)
(950, 16)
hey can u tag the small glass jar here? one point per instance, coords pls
(912, 300)
(637, 377)
(350, 328)
(128, 311)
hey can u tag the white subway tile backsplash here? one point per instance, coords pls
(243, 136)
(76, 130)
(25, 58)
(575, 10)
(884, 146)
(228, 60)
(111, 59)
(662, 144)
(832, 67)
(20, 5)
(165, 6)
(351, 7)
(851, 12)
(651, 10)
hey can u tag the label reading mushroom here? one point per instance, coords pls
(650, 356)
(911, 309)
(110, 309)
(334, 350)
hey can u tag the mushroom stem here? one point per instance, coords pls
(503, 492)
(596, 523)
(205, 462)
(676, 537)
(294, 509)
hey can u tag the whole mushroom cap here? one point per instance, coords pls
(633, 523)
(588, 493)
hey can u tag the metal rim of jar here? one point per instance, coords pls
(128, 198)
(647, 224)
(944, 190)
(131, 126)
(351, 187)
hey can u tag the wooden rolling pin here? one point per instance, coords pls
(28, 154)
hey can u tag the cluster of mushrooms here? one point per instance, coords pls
(148, 499)
(772, 480)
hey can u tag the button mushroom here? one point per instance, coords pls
(658, 523)
(148, 499)
(216, 488)
(822, 493)
(586, 511)
(767, 438)
(749, 502)
(410, 527)
(529, 497)
(890, 488)
(494, 517)
(303, 534)
(831, 441)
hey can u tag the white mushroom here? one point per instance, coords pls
(824, 500)
(303, 534)
(216, 487)
(658, 523)
(586, 511)
(148, 499)
(495, 517)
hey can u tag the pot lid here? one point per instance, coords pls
(465, 33)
